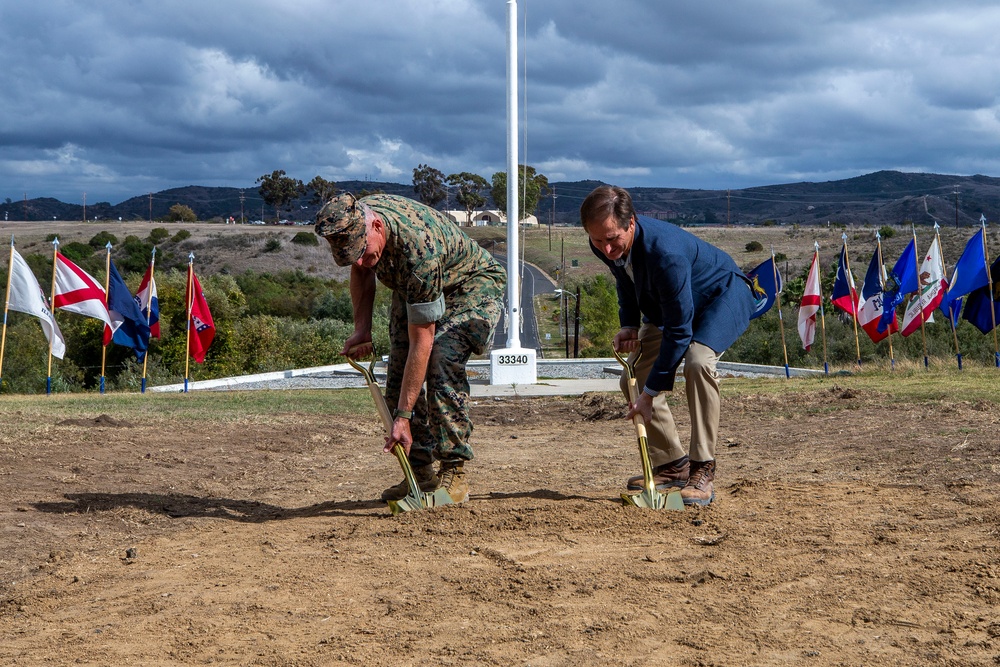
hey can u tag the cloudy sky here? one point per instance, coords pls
(118, 98)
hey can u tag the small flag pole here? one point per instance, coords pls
(190, 307)
(881, 282)
(854, 304)
(989, 278)
(951, 320)
(6, 307)
(149, 314)
(781, 319)
(107, 286)
(920, 304)
(822, 313)
(55, 258)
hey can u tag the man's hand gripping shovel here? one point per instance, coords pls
(649, 497)
(415, 499)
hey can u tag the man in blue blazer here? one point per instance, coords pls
(681, 299)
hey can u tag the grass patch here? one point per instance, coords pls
(157, 408)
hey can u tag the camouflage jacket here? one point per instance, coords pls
(429, 262)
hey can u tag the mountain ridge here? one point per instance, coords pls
(881, 197)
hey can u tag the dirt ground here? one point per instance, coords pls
(846, 531)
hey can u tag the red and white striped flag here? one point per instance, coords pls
(811, 301)
(77, 292)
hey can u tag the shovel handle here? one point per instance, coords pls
(376, 391)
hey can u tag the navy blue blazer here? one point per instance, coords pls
(687, 287)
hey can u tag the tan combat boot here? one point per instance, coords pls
(452, 477)
(426, 480)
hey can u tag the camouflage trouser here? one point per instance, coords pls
(441, 426)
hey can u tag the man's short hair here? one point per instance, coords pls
(605, 201)
(342, 222)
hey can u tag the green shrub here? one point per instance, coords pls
(76, 251)
(272, 245)
(101, 240)
(157, 235)
(305, 238)
(181, 235)
(886, 232)
(754, 246)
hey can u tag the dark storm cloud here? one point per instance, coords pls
(122, 97)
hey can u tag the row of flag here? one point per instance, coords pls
(129, 320)
(874, 307)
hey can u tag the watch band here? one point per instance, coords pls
(402, 414)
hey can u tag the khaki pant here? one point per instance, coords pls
(701, 382)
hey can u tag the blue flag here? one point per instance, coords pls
(765, 282)
(901, 281)
(969, 275)
(977, 305)
(845, 294)
(129, 328)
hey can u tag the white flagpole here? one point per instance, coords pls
(513, 364)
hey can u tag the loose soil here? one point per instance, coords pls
(846, 531)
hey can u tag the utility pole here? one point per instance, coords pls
(85, 207)
(956, 206)
(552, 219)
(242, 199)
(727, 207)
(576, 327)
(150, 207)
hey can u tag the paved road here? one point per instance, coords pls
(533, 282)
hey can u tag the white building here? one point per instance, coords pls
(485, 218)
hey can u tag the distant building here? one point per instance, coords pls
(485, 218)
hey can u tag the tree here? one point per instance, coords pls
(531, 187)
(470, 189)
(181, 213)
(428, 183)
(322, 189)
(278, 190)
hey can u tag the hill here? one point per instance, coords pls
(880, 198)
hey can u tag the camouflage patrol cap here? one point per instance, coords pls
(342, 222)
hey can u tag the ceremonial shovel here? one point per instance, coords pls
(415, 499)
(649, 497)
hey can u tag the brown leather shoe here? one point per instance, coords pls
(699, 489)
(665, 477)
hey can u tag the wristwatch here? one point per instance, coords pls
(402, 414)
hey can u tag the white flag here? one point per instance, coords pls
(933, 285)
(27, 297)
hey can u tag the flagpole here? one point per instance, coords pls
(944, 272)
(822, 313)
(190, 306)
(989, 278)
(55, 258)
(781, 319)
(6, 306)
(881, 282)
(854, 303)
(107, 286)
(920, 304)
(149, 314)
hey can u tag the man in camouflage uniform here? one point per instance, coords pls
(447, 294)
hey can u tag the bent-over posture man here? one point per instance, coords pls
(447, 294)
(684, 300)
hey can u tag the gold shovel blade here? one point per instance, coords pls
(415, 499)
(654, 500)
(420, 502)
